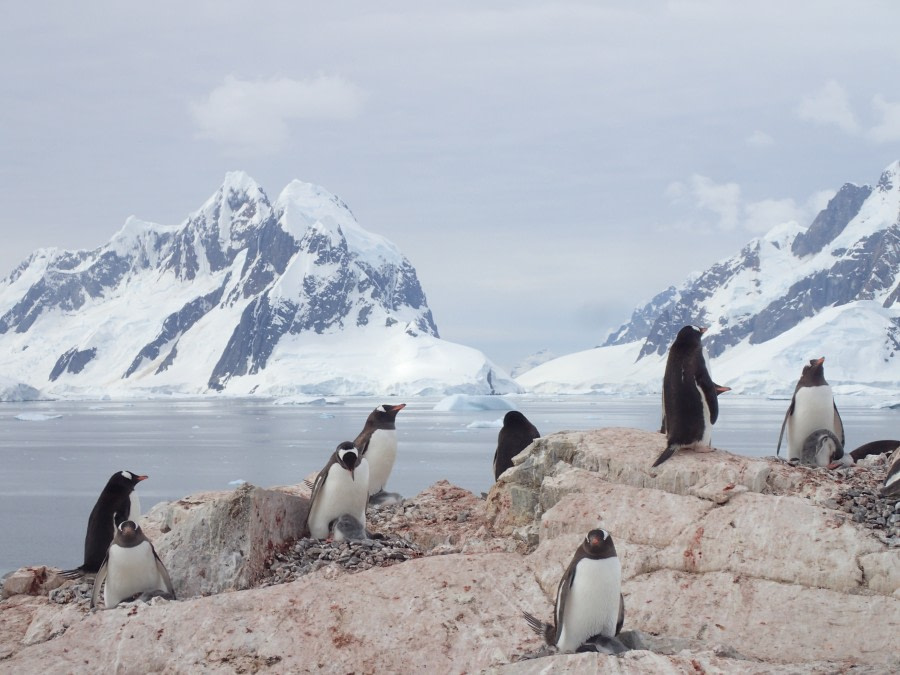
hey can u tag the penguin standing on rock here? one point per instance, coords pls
(340, 488)
(117, 503)
(589, 599)
(378, 444)
(812, 408)
(690, 397)
(515, 435)
(131, 567)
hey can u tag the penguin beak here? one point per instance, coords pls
(721, 390)
(819, 361)
(398, 408)
(140, 478)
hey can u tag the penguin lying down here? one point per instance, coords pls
(131, 569)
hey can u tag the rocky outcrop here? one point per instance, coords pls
(730, 565)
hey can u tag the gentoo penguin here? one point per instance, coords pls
(812, 407)
(341, 487)
(875, 448)
(131, 567)
(690, 397)
(117, 503)
(589, 599)
(348, 528)
(891, 487)
(515, 435)
(822, 448)
(378, 444)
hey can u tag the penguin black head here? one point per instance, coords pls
(348, 456)
(128, 534)
(384, 415)
(814, 374)
(599, 544)
(689, 336)
(124, 480)
(514, 417)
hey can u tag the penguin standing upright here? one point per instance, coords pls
(589, 597)
(515, 435)
(378, 444)
(812, 408)
(341, 487)
(690, 397)
(117, 503)
(131, 567)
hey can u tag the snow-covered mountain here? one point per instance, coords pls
(831, 289)
(244, 297)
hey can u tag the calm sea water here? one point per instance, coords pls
(57, 456)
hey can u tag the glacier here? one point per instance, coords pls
(245, 297)
(796, 293)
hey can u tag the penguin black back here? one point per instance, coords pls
(689, 393)
(515, 435)
(113, 508)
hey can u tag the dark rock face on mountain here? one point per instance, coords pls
(226, 286)
(850, 253)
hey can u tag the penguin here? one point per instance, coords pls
(131, 567)
(348, 528)
(690, 397)
(812, 407)
(378, 444)
(822, 448)
(341, 487)
(891, 486)
(515, 435)
(589, 601)
(117, 503)
(875, 448)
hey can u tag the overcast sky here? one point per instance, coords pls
(546, 167)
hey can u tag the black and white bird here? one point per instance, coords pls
(117, 503)
(378, 444)
(589, 598)
(690, 397)
(812, 408)
(340, 488)
(131, 568)
(821, 448)
(516, 434)
(891, 486)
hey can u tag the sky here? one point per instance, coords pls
(545, 166)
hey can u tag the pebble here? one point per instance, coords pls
(860, 497)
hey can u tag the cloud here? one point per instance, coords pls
(255, 116)
(889, 129)
(829, 106)
(760, 139)
(702, 195)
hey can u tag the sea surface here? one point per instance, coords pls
(56, 456)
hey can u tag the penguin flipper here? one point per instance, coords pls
(98, 582)
(320, 480)
(838, 426)
(790, 411)
(668, 452)
(163, 573)
(621, 619)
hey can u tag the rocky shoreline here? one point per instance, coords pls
(714, 548)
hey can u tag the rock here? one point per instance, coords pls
(714, 548)
(31, 581)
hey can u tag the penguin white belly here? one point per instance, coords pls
(381, 453)
(592, 606)
(813, 410)
(338, 495)
(134, 513)
(706, 439)
(130, 571)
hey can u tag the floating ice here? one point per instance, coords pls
(485, 424)
(464, 402)
(35, 417)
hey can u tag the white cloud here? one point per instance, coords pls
(828, 106)
(703, 195)
(889, 128)
(760, 139)
(722, 199)
(255, 116)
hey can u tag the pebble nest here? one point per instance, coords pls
(859, 496)
(308, 555)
